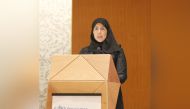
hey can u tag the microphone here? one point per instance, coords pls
(98, 48)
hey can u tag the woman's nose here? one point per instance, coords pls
(99, 31)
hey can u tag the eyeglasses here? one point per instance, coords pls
(99, 28)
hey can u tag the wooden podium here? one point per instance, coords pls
(84, 74)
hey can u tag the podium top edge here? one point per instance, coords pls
(81, 55)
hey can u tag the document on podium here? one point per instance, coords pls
(76, 101)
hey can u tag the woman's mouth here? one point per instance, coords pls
(99, 36)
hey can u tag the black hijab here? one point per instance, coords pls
(109, 45)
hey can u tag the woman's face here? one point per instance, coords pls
(100, 32)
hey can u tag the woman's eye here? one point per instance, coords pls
(95, 28)
(102, 28)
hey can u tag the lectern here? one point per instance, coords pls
(83, 74)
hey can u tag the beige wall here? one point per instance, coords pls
(19, 54)
(31, 32)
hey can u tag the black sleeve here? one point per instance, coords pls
(121, 66)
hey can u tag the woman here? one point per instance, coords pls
(103, 42)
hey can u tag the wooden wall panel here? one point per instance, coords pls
(130, 22)
(170, 33)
